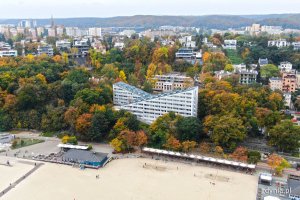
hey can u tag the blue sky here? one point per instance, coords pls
(109, 8)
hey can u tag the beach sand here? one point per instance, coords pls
(127, 179)
(9, 174)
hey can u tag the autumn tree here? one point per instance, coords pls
(204, 147)
(240, 154)
(188, 146)
(173, 144)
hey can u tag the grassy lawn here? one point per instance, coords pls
(234, 57)
(19, 143)
(48, 134)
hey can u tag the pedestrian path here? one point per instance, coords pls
(12, 185)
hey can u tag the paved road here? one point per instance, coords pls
(38, 165)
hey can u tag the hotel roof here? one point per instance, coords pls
(133, 89)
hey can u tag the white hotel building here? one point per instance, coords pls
(148, 107)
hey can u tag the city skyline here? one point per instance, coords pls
(16, 9)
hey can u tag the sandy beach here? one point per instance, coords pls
(127, 179)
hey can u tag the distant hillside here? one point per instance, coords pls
(149, 21)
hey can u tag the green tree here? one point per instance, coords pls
(268, 71)
(285, 136)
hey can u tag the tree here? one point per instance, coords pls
(254, 157)
(204, 147)
(117, 144)
(141, 138)
(83, 124)
(188, 146)
(226, 130)
(278, 163)
(229, 67)
(219, 151)
(172, 144)
(122, 76)
(240, 154)
(188, 128)
(285, 136)
(268, 71)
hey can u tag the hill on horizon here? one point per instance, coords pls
(153, 21)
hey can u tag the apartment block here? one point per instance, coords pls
(169, 82)
(148, 107)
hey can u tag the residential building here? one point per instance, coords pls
(273, 30)
(170, 82)
(230, 44)
(298, 79)
(287, 99)
(293, 183)
(148, 107)
(222, 74)
(6, 138)
(275, 83)
(59, 31)
(63, 44)
(95, 32)
(187, 41)
(45, 49)
(247, 76)
(128, 33)
(285, 66)
(288, 82)
(296, 46)
(51, 32)
(263, 61)
(82, 45)
(40, 31)
(278, 43)
(189, 55)
(8, 53)
(119, 45)
(99, 47)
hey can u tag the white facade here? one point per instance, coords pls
(247, 76)
(169, 82)
(286, 66)
(8, 53)
(119, 45)
(287, 99)
(62, 44)
(296, 46)
(128, 33)
(230, 44)
(278, 43)
(96, 32)
(48, 50)
(148, 107)
(275, 83)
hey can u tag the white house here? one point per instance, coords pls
(285, 66)
(230, 44)
(278, 43)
